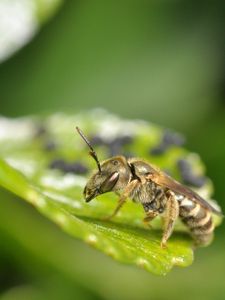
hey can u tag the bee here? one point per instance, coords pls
(158, 193)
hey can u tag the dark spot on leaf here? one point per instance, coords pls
(173, 138)
(197, 181)
(77, 168)
(158, 150)
(50, 146)
(68, 167)
(96, 140)
(43, 135)
(123, 140)
(57, 164)
(114, 146)
(187, 174)
(184, 166)
(169, 139)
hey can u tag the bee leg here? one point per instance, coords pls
(149, 217)
(122, 199)
(171, 214)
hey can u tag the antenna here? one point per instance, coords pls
(92, 152)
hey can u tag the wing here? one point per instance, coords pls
(164, 180)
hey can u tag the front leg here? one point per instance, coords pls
(171, 214)
(128, 191)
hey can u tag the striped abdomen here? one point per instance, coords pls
(198, 219)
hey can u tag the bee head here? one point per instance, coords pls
(114, 176)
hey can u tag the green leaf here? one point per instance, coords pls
(29, 146)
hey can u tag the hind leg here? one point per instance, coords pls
(171, 214)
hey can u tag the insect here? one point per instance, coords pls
(158, 193)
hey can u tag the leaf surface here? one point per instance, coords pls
(30, 149)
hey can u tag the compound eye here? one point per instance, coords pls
(110, 182)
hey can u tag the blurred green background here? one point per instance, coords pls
(162, 61)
